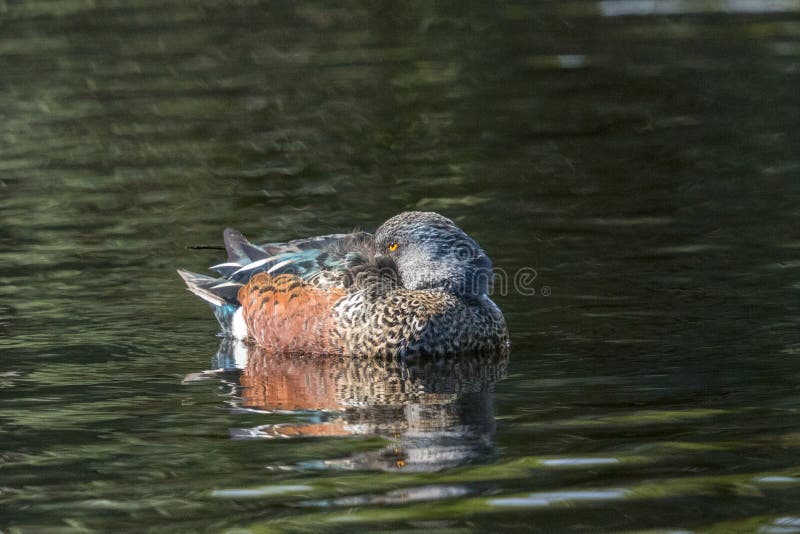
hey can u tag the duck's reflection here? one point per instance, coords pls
(437, 412)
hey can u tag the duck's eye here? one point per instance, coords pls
(393, 246)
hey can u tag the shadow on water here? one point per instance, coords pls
(434, 413)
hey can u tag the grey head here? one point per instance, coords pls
(431, 252)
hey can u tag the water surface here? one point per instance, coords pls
(640, 158)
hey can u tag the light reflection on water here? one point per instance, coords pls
(435, 413)
(618, 8)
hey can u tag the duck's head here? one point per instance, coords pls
(431, 252)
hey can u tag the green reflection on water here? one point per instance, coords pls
(644, 165)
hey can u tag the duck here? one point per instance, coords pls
(419, 285)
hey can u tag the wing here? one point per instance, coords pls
(335, 262)
(323, 260)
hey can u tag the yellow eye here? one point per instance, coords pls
(393, 247)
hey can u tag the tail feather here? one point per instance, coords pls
(201, 286)
(221, 294)
(229, 291)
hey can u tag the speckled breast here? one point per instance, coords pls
(403, 322)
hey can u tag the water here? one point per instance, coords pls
(641, 158)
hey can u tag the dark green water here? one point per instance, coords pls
(642, 157)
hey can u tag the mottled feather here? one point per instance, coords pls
(286, 314)
(419, 285)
